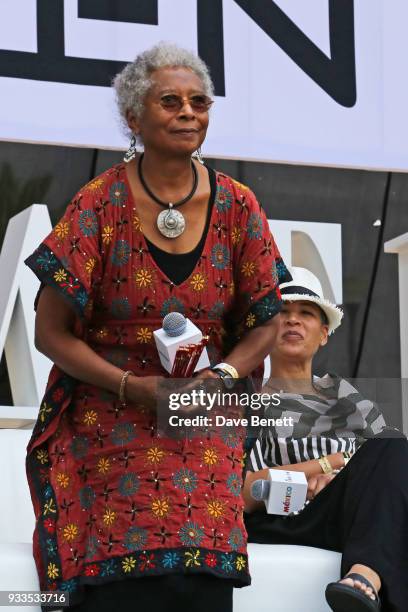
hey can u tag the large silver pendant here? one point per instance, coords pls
(171, 223)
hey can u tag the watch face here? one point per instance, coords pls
(228, 381)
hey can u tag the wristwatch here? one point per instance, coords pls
(227, 379)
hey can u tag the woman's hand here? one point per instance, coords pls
(206, 381)
(151, 391)
(207, 373)
(145, 391)
(315, 484)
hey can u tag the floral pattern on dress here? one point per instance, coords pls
(112, 499)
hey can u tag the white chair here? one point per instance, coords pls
(17, 524)
(18, 572)
(17, 567)
(287, 579)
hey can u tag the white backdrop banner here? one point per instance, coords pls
(300, 81)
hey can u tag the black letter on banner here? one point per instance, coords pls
(133, 11)
(50, 63)
(337, 76)
(211, 40)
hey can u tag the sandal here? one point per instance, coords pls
(344, 598)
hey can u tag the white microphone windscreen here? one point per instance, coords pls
(260, 490)
(174, 324)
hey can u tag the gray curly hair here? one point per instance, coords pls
(133, 82)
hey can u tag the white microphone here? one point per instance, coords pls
(284, 491)
(177, 331)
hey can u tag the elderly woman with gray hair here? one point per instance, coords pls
(125, 515)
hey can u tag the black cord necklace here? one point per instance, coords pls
(170, 222)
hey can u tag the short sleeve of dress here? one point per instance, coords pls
(69, 258)
(258, 265)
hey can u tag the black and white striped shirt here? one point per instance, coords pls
(321, 427)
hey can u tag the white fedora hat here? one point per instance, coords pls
(306, 286)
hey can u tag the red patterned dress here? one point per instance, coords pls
(112, 499)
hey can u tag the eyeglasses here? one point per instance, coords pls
(173, 103)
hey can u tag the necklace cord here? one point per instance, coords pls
(150, 193)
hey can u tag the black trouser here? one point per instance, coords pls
(362, 513)
(196, 593)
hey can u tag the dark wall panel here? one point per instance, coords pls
(67, 168)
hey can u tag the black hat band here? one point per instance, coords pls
(298, 290)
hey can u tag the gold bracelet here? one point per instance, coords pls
(325, 465)
(122, 386)
(346, 458)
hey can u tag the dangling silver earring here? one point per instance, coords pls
(198, 156)
(131, 152)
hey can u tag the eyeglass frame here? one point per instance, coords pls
(182, 100)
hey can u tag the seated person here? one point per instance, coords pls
(358, 493)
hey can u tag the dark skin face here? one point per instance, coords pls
(177, 133)
(301, 332)
(170, 136)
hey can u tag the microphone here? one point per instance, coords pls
(260, 490)
(284, 491)
(178, 331)
(174, 324)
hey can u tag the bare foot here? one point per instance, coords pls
(368, 573)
